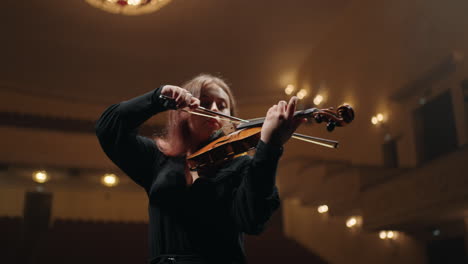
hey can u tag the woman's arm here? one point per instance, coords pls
(257, 197)
(117, 128)
(117, 131)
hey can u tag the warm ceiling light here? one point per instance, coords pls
(40, 176)
(318, 99)
(351, 222)
(129, 7)
(289, 89)
(322, 209)
(134, 2)
(374, 120)
(354, 221)
(390, 234)
(383, 234)
(110, 180)
(301, 94)
(380, 117)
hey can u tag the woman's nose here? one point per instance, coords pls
(214, 107)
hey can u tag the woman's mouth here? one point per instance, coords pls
(213, 123)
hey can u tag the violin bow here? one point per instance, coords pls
(169, 103)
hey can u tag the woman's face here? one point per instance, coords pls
(215, 99)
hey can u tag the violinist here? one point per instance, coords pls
(193, 217)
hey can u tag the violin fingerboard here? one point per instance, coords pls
(305, 113)
(256, 122)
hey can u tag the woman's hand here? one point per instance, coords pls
(182, 97)
(280, 124)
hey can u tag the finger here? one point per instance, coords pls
(177, 94)
(181, 98)
(174, 92)
(188, 98)
(270, 111)
(194, 102)
(291, 107)
(282, 105)
(168, 90)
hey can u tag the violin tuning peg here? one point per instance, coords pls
(318, 119)
(331, 126)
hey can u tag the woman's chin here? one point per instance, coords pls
(213, 125)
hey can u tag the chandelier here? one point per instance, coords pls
(129, 7)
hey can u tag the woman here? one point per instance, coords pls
(197, 218)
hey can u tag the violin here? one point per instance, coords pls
(247, 133)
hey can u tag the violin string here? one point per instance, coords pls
(213, 114)
(309, 139)
(201, 108)
(236, 120)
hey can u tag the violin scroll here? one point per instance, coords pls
(346, 112)
(342, 116)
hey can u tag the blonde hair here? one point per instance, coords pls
(176, 139)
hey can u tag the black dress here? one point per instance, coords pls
(201, 223)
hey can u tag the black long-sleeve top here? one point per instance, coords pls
(206, 219)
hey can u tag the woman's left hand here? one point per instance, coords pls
(280, 124)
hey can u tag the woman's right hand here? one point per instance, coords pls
(182, 97)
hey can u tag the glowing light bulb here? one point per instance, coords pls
(301, 94)
(289, 89)
(134, 2)
(383, 234)
(351, 222)
(318, 99)
(110, 180)
(390, 234)
(322, 209)
(374, 120)
(40, 176)
(380, 117)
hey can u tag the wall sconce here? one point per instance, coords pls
(40, 176)
(289, 89)
(354, 221)
(322, 209)
(318, 99)
(110, 180)
(301, 94)
(377, 119)
(388, 235)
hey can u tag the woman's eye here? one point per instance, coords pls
(205, 104)
(222, 105)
